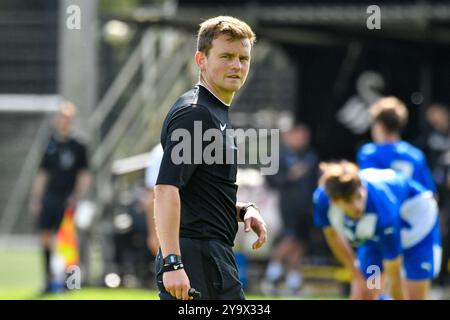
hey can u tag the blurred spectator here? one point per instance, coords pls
(436, 144)
(131, 255)
(295, 182)
(151, 175)
(61, 181)
(443, 166)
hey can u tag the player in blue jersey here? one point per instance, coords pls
(324, 213)
(391, 220)
(390, 116)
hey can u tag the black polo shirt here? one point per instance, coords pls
(207, 191)
(62, 161)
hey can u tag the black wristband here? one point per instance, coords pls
(172, 267)
(171, 262)
(244, 209)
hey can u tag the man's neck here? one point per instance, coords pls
(225, 101)
(390, 138)
(60, 137)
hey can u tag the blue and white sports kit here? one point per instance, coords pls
(400, 218)
(399, 156)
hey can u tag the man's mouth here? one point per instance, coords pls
(234, 77)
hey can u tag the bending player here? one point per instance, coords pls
(391, 220)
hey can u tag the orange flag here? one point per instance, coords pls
(66, 246)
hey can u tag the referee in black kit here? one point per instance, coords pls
(196, 212)
(62, 180)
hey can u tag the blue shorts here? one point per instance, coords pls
(420, 262)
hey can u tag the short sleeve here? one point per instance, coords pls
(154, 163)
(321, 207)
(180, 140)
(364, 158)
(83, 160)
(45, 161)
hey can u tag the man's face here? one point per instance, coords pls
(63, 124)
(438, 118)
(354, 207)
(377, 132)
(226, 66)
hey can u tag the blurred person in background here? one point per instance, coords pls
(295, 182)
(392, 222)
(436, 143)
(61, 181)
(443, 170)
(196, 211)
(388, 150)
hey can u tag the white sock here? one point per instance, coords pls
(274, 271)
(294, 280)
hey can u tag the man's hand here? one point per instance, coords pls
(254, 221)
(177, 284)
(72, 201)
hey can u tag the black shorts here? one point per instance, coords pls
(52, 213)
(211, 268)
(297, 224)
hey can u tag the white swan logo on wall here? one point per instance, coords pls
(354, 115)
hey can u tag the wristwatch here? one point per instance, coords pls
(244, 209)
(171, 263)
(172, 259)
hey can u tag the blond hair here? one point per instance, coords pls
(230, 26)
(68, 109)
(340, 179)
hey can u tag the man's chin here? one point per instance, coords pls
(233, 87)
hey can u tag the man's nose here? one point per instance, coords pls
(236, 64)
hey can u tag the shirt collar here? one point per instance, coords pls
(204, 86)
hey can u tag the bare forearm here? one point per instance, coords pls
(40, 183)
(150, 212)
(167, 218)
(341, 250)
(82, 184)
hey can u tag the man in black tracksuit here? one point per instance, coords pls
(196, 213)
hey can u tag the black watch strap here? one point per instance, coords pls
(244, 209)
(172, 267)
(172, 259)
(171, 262)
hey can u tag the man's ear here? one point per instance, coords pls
(200, 60)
